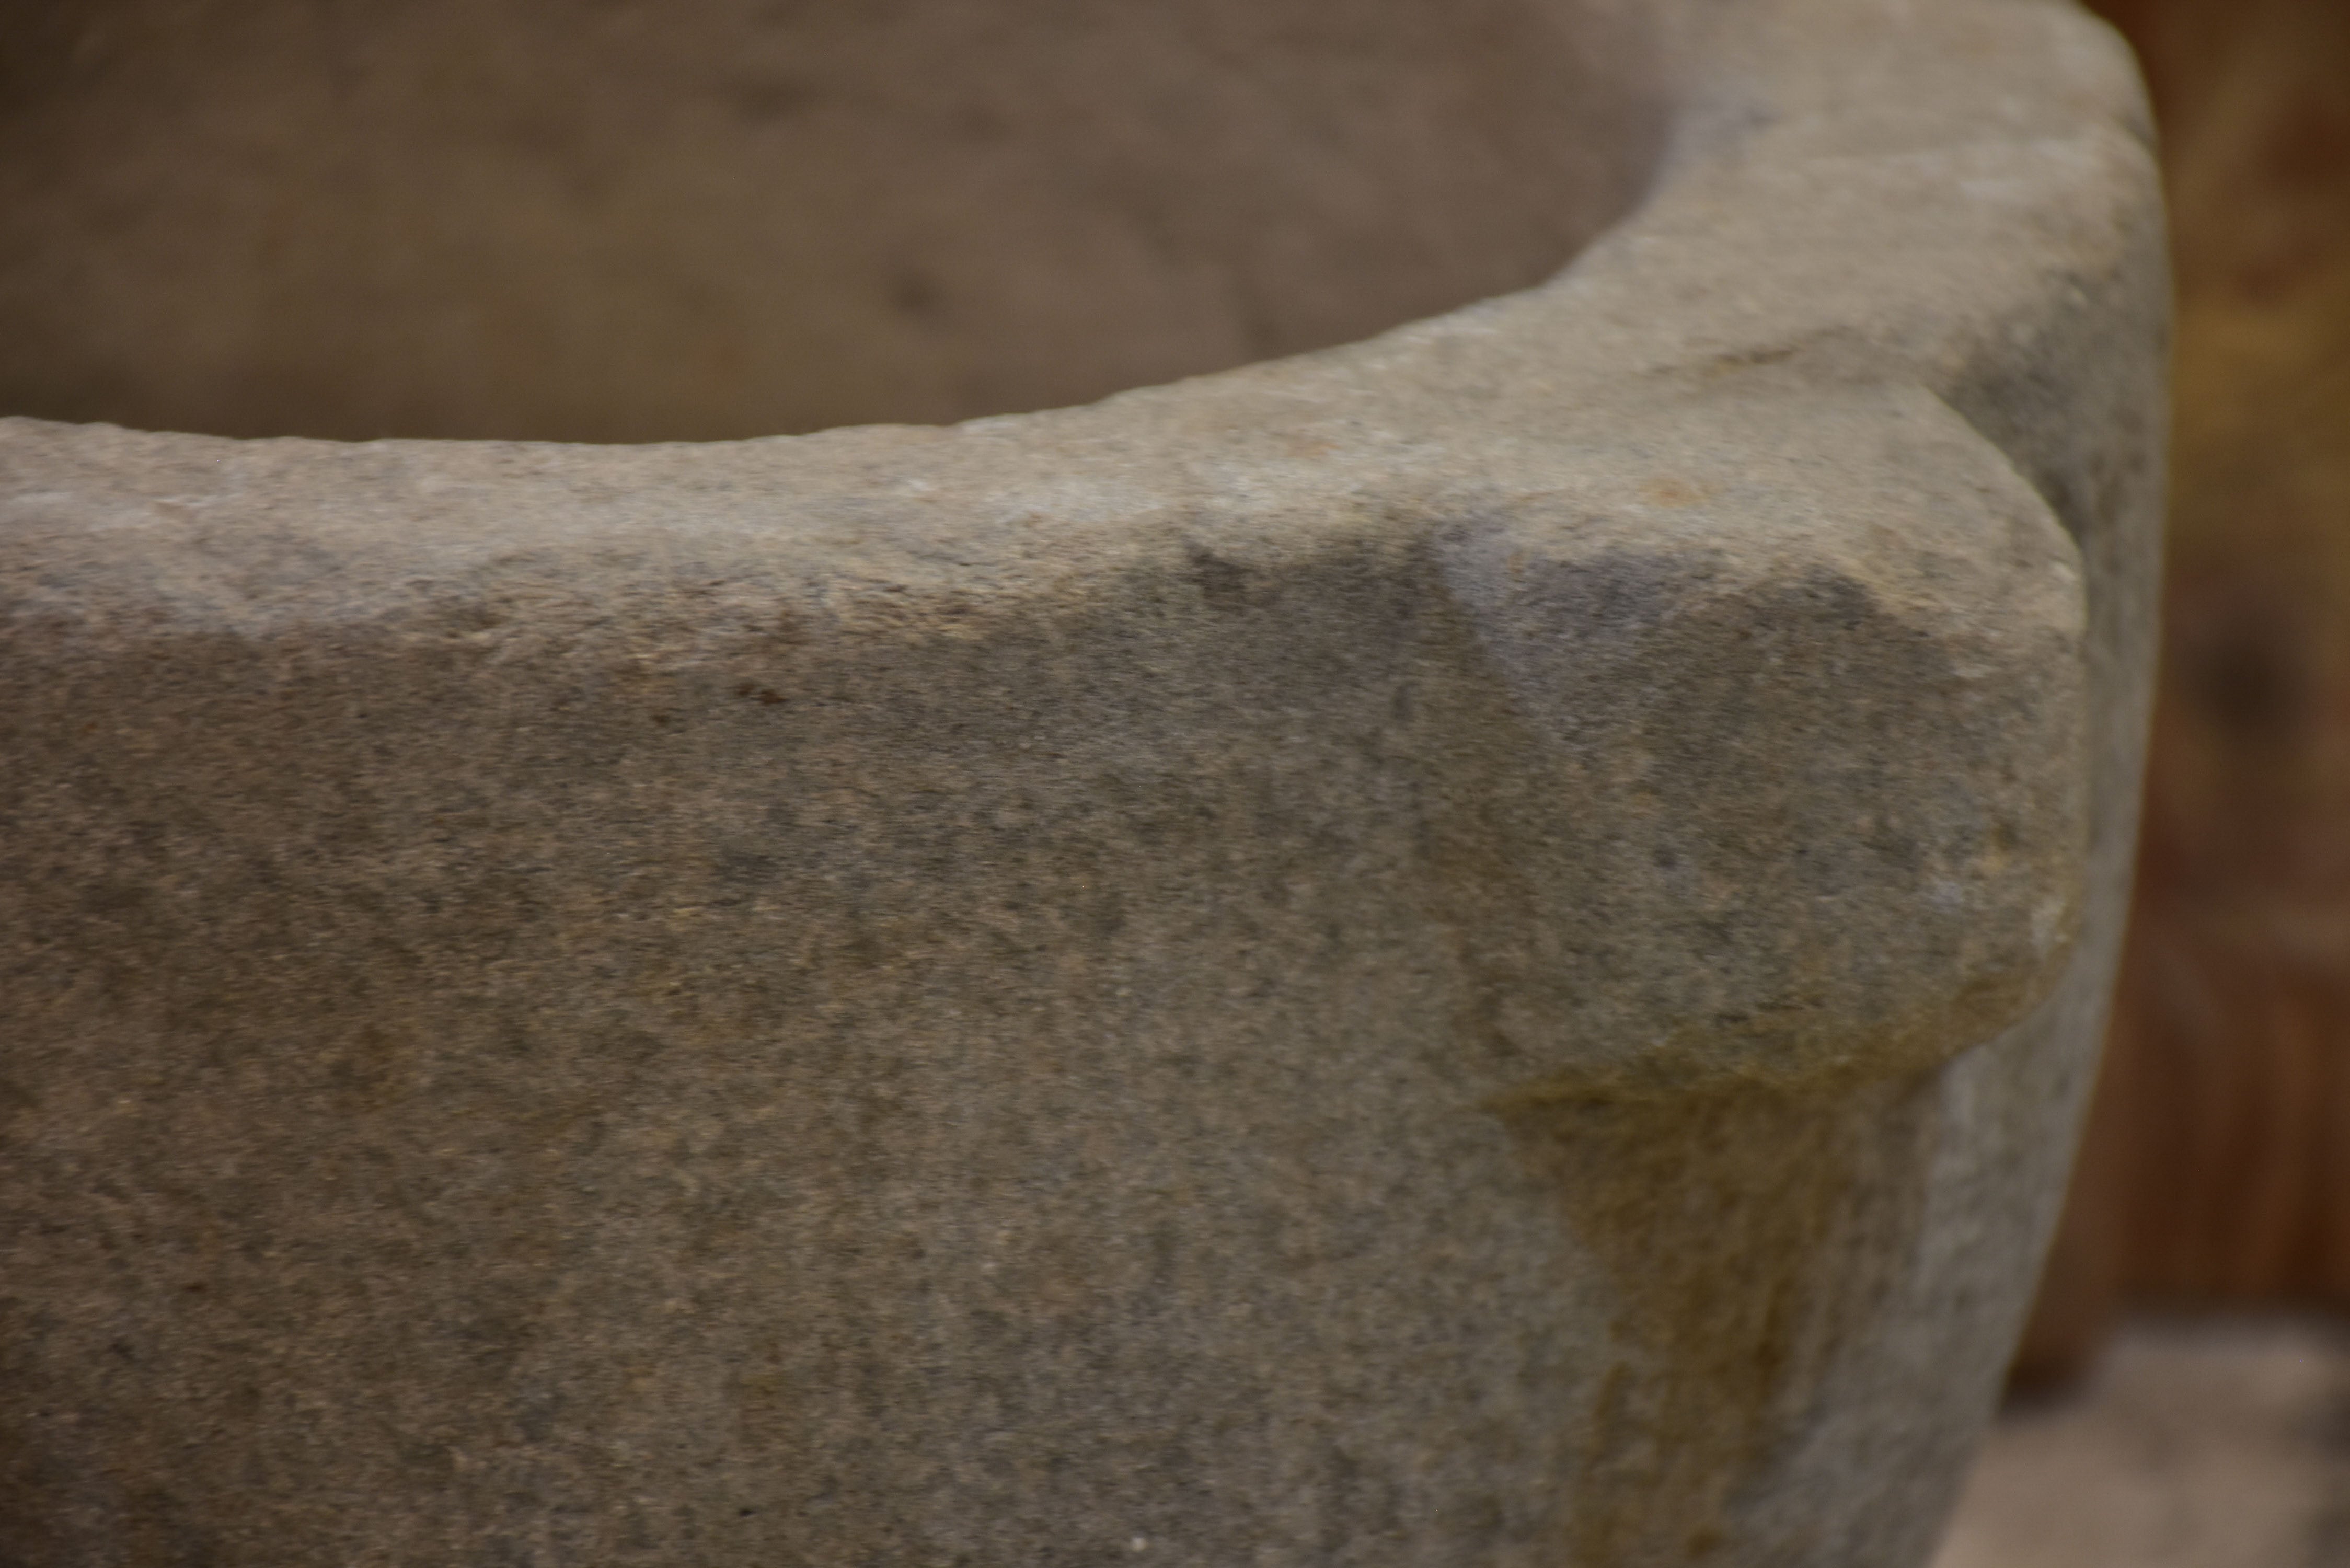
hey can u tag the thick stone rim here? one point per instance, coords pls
(1886, 241)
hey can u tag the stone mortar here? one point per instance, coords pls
(1474, 941)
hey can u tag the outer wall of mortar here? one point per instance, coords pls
(436, 1095)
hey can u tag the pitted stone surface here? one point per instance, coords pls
(1481, 946)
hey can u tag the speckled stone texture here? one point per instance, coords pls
(1476, 947)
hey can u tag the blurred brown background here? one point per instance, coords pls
(2216, 1166)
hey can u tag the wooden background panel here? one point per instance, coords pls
(2217, 1164)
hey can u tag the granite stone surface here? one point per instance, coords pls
(1478, 946)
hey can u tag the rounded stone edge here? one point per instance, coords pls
(1710, 285)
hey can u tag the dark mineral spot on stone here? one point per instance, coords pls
(1223, 584)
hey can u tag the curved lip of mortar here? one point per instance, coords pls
(1958, 150)
(1862, 202)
